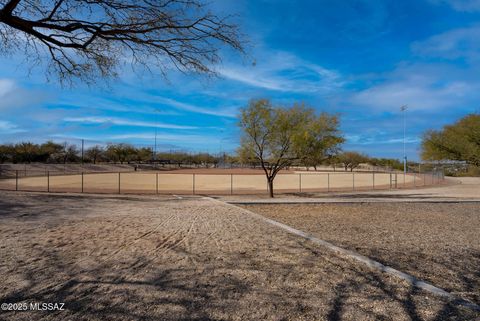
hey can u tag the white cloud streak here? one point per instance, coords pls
(286, 73)
(461, 5)
(124, 122)
(418, 95)
(230, 112)
(9, 128)
(453, 44)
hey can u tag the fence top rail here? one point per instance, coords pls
(21, 171)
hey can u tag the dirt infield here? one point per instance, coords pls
(436, 242)
(205, 182)
(134, 258)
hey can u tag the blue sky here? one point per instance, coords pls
(360, 59)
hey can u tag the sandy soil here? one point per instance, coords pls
(213, 182)
(146, 258)
(436, 242)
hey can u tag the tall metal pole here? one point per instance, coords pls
(155, 146)
(403, 109)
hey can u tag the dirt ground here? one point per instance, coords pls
(436, 242)
(162, 258)
(208, 181)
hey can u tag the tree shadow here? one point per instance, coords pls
(186, 285)
(240, 287)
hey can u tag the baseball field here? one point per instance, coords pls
(196, 181)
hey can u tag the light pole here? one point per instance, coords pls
(404, 109)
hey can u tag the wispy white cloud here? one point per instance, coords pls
(285, 72)
(124, 122)
(424, 85)
(171, 138)
(418, 95)
(461, 5)
(453, 44)
(6, 86)
(9, 127)
(371, 140)
(230, 112)
(13, 96)
(126, 103)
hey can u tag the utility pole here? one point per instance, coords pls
(404, 109)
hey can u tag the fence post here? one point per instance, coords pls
(396, 180)
(390, 180)
(193, 183)
(48, 181)
(300, 182)
(16, 180)
(328, 182)
(118, 182)
(414, 179)
(82, 182)
(373, 179)
(231, 184)
(156, 183)
(353, 181)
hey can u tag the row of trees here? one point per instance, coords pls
(51, 152)
(27, 152)
(351, 160)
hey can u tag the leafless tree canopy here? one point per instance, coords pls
(88, 39)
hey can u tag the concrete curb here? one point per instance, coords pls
(367, 261)
(352, 201)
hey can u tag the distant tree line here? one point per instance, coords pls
(51, 152)
(62, 153)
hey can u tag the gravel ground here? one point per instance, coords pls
(141, 258)
(436, 242)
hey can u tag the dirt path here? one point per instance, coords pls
(191, 259)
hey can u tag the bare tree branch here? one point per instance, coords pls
(88, 38)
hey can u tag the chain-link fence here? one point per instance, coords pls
(157, 182)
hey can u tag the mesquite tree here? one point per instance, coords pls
(278, 137)
(458, 142)
(89, 39)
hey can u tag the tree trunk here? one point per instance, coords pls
(270, 187)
